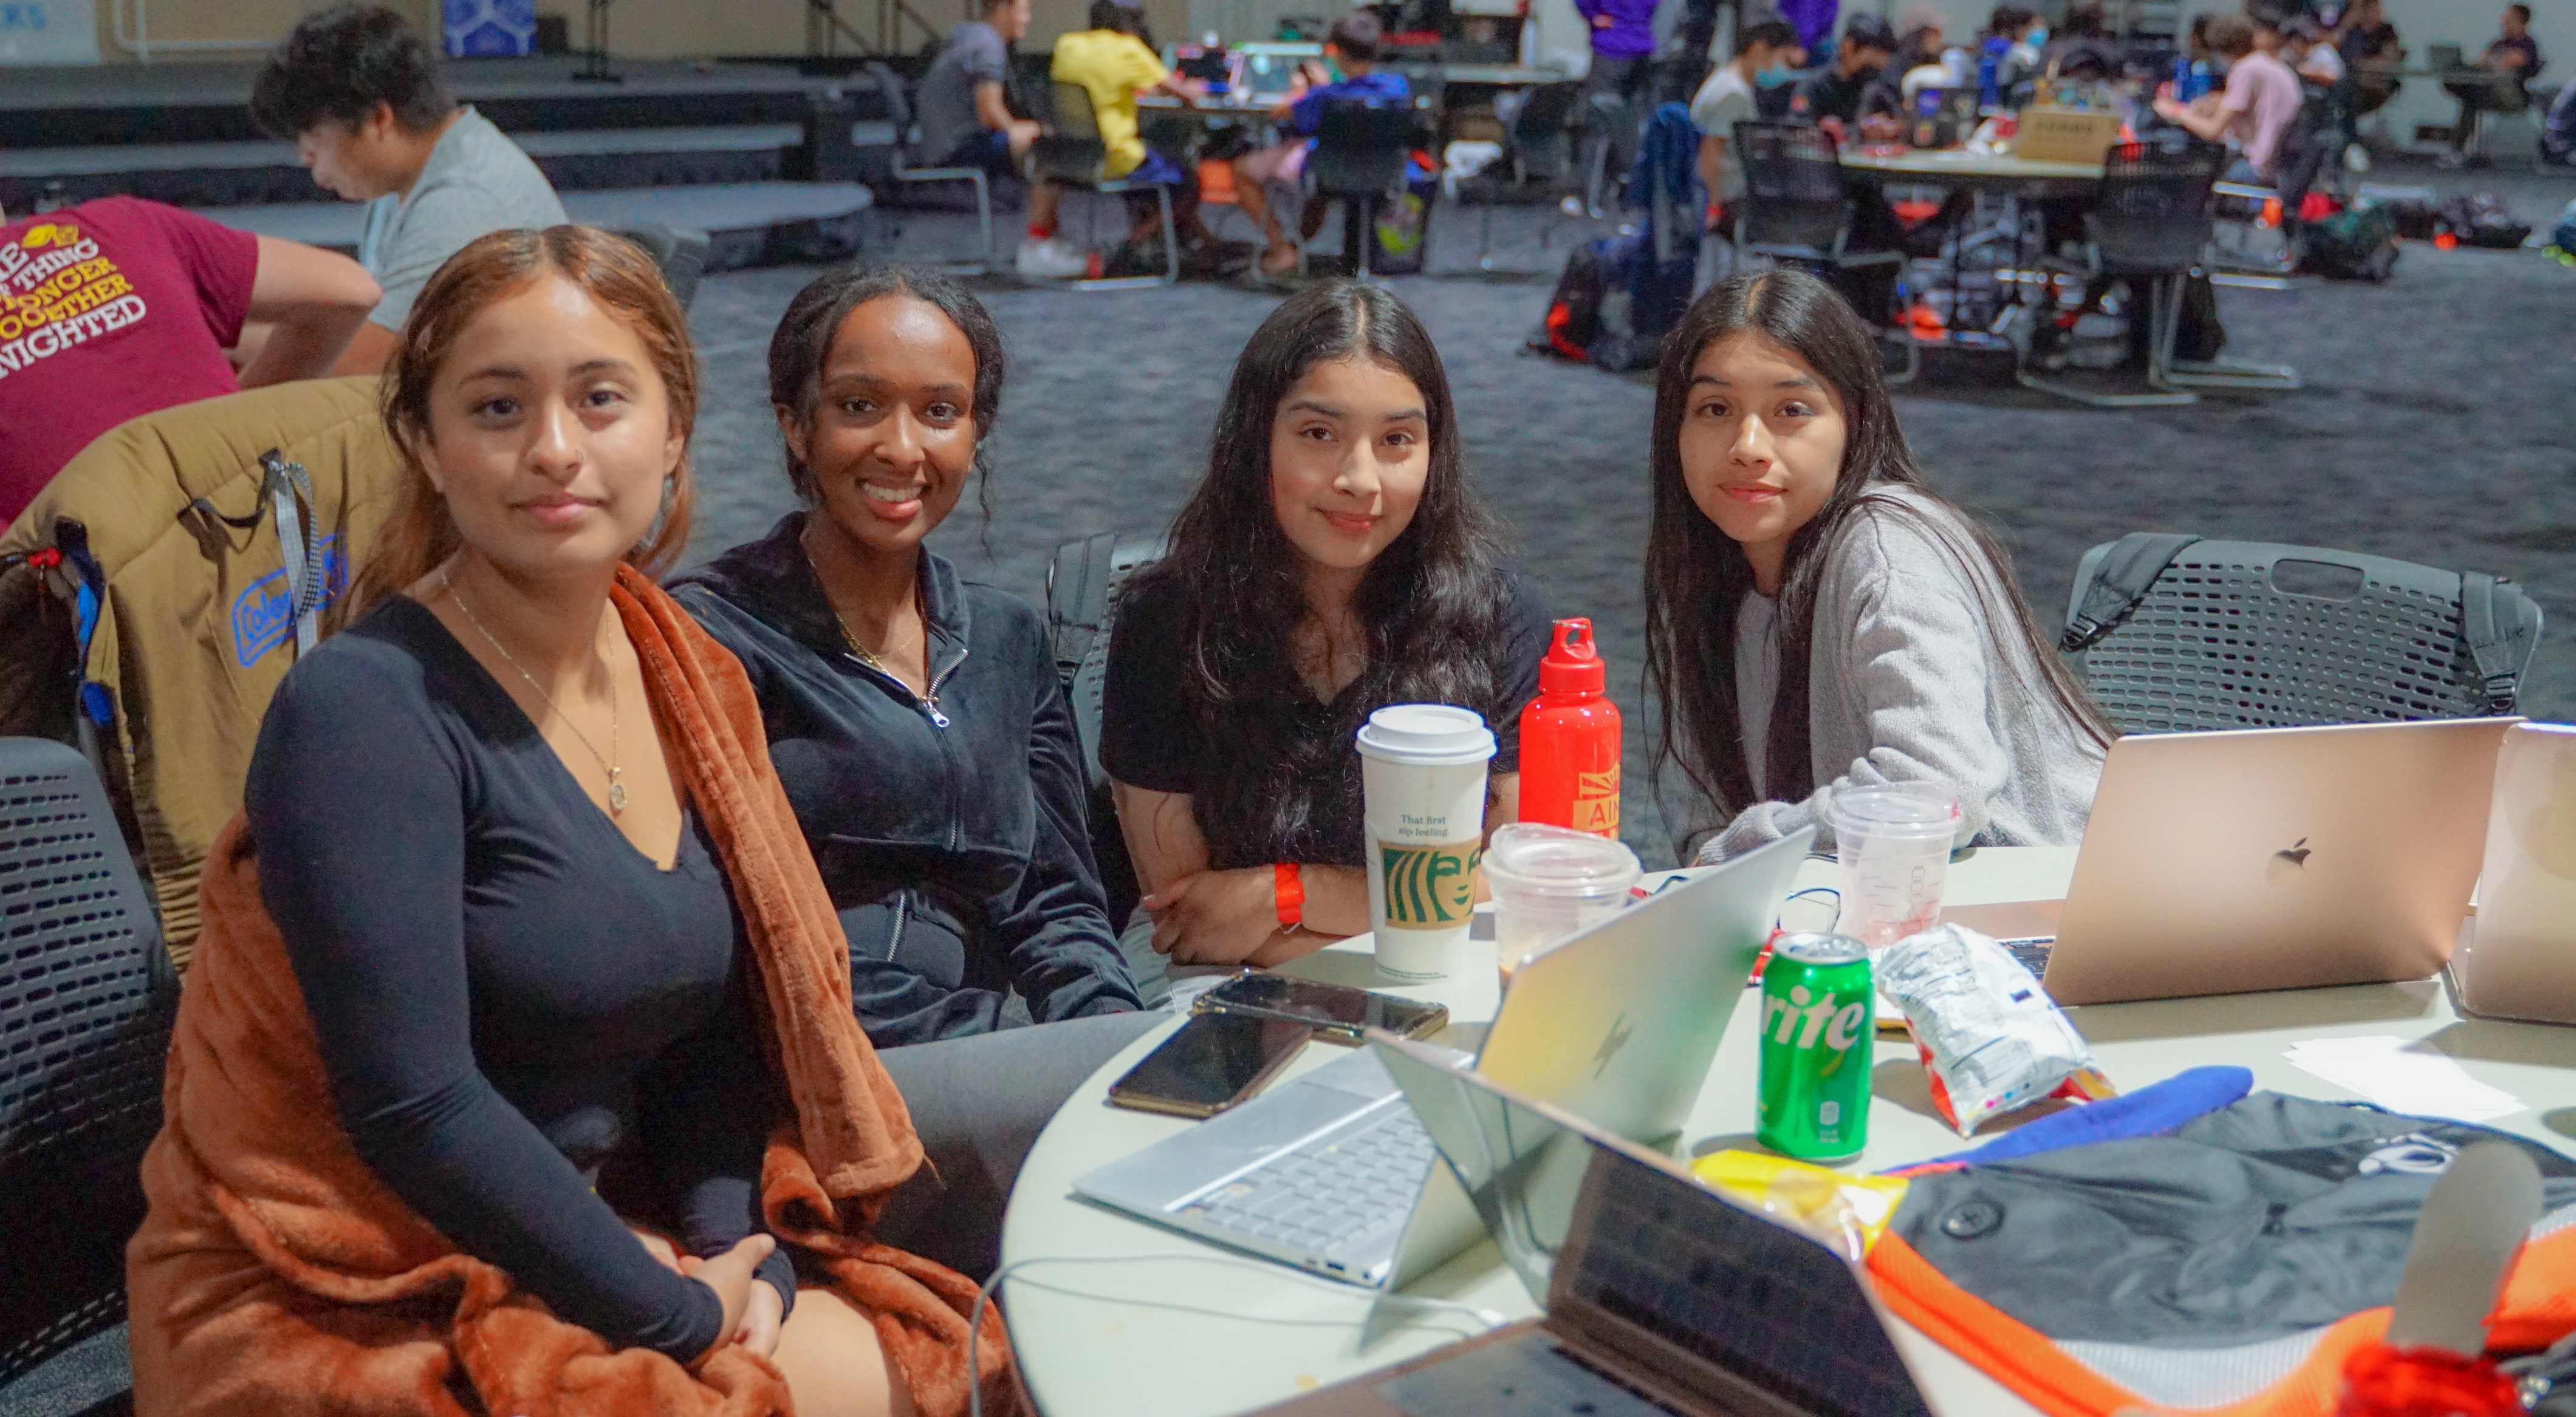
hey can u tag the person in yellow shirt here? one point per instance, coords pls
(1113, 61)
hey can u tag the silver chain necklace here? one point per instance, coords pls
(616, 788)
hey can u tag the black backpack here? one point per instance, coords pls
(1081, 607)
(2358, 243)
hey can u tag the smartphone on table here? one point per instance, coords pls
(1215, 1061)
(1336, 1011)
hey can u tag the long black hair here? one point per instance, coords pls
(1282, 780)
(1697, 576)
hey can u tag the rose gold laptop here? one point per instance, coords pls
(2267, 858)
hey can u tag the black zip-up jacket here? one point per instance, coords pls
(949, 829)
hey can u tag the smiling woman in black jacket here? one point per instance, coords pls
(914, 717)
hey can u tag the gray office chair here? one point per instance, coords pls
(87, 994)
(2181, 634)
(898, 105)
(1537, 143)
(1071, 153)
(2149, 223)
(680, 255)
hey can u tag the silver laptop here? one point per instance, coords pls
(2268, 858)
(1332, 1172)
(2517, 956)
(1662, 1296)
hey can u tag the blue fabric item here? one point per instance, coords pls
(1156, 171)
(949, 832)
(1306, 115)
(1631, 31)
(2149, 1111)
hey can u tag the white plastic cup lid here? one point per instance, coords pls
(1905, 811)
(1426, 735)
(1558, 860)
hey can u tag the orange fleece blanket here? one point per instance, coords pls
(275, 1274)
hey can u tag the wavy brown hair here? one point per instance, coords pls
(615, 272)
(1697, 576)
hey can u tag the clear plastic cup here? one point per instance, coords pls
(1894, 846)
(1550, 882)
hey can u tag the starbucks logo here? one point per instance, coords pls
(1430, 887)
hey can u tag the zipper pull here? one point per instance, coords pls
(931, 706)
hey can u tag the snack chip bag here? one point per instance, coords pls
(1990, 1039)
(1827, 1202)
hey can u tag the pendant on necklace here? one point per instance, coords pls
(616, 796)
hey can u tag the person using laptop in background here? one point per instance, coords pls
(965, 121)
(1269, 181)
(359, 93)
(2513, 58)
(1839, 97)
(1113, 61)
(1334, 560)
(1816, 616)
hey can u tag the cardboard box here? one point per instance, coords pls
(2066, 135)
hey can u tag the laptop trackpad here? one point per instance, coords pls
(1527, 1376)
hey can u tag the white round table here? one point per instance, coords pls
(1166, 1324)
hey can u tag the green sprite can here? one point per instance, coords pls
(1817, 1040)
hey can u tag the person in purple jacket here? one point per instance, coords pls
(1623, 38)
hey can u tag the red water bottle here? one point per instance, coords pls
(1570, 738)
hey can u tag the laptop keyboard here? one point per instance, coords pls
(1317, 1197)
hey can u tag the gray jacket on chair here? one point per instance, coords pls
(1915, 675)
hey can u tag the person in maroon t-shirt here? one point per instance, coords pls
(121, 307)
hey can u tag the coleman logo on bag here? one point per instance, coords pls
(264, 614)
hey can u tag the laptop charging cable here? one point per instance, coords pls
(1485, 1319)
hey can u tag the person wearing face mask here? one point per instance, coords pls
(1763, 51)
(1333, 561)
(1816, 616)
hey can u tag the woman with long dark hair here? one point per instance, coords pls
(1334, 561)
(1816, 616)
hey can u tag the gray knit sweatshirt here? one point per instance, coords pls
(1907, 682)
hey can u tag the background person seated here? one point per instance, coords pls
(2511, 59)
(915, 717)
(1854, 86)
(2256, 108)
(120, 307)
(1113, 61)
(1334, 560)
(965, 120)
(2371, 54)
(360, 94)
(1269, 182)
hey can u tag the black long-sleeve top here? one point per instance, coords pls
(511, 1000)
(950, 829)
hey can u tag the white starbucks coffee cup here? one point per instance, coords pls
(1422, 776)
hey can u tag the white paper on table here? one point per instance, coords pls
(2384, 1071)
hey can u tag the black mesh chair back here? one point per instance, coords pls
(87, 994)
(1361, 147)
(2151, 213)
(1793, 200)
(1071, 149)
(2249, 634)
(1541, 132)
(1082, 587)
(681, 256)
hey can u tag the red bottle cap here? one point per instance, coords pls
(1573, 665)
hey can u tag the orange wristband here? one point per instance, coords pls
(1286, 880)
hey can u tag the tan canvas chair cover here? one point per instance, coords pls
(195, 621)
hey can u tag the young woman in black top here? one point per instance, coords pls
(915, 717)
(1334, 561)
(521, 956)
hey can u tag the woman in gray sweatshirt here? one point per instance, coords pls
(1816, 617)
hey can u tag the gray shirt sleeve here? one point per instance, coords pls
(437, 224)
(983, 59)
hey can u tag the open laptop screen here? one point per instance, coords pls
(1770, 1305)
(1522, 1170)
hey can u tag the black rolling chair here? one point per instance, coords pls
(1071, 154)
(87, 994)
(680, 255)
(1796, 210)
(2181, 634)
(2149, 224)
(1537, 144)
(1360, 152)
(898, 105)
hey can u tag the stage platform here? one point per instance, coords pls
(181, 132)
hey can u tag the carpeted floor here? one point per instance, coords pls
(2438, 425)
